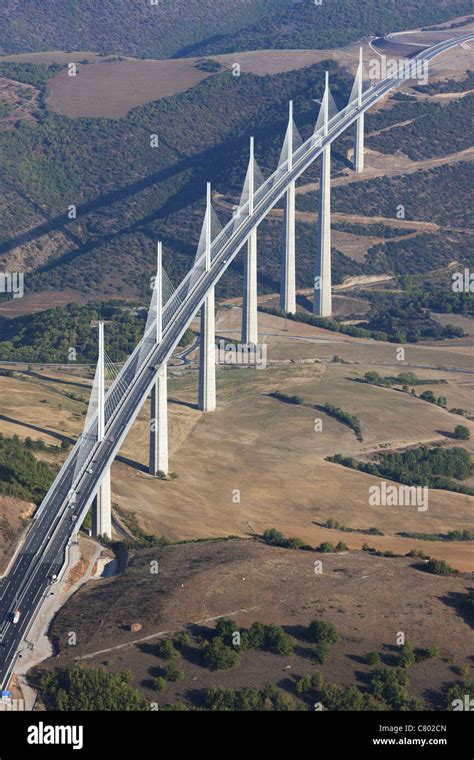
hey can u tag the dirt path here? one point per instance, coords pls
(164, 633)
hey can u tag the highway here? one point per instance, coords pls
(43, 553)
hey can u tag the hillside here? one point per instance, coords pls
(123, 27)
(257, 585)
(331, 24)
(128, 194)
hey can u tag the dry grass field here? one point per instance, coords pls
(113, 88)
(14, 516)
(258, 463)
(369, 599)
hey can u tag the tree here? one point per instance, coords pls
(277, 641)
(167, 650)
(390, 686)
(173, 673)
(407, 655)
(303, 685)
(225, 628)
(428, 396)
(321, 651)
(159, 684)
(461, 433)
(372, 658)
(439, 567)
(218, 656)
(256, 636)
(318, 631)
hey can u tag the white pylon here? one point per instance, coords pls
(249, 306)
(359, 135)
(287, 277)
(159, 393)
(207, 352)
(102, 509)
(322, 299)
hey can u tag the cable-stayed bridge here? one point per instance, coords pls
(85, 476)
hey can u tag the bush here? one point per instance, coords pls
(461, 433)
(183, 639)
(439, 567)
(391, 686)
(326, 547)
(407, 655)
(159, 684)
(173, 673)
(321, 651)
(225, 628)
(275, 538)
(372, 658)
(256, 636)
(304, 685)
(277, 641)
(319, 631)
(166, 650)
(218, 656)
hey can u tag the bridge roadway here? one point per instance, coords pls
(44, 550)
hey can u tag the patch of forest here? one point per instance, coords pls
(311, 25)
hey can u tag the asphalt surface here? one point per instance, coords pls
(44, 551)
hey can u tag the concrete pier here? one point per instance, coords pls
(102, 507)
(322, 299)
(249, 307)
(287, 277)
(207, 351)
(159, 394)
(359, 135)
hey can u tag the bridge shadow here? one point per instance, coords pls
(200, 167)
(180, 402)
(132, 463)
(49, 379)
(304, 302)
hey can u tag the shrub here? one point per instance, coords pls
(277, 641)
(159, 684)
(372, 658)
(321, 651)
(304, 685)
(218, 656)
(319, 631)
(439, 567)
(407, 655)
(256, 636)
(325, 548)
(166, 650)
(225, 628)
(461, 433)
(391, 686)
(173, 673)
